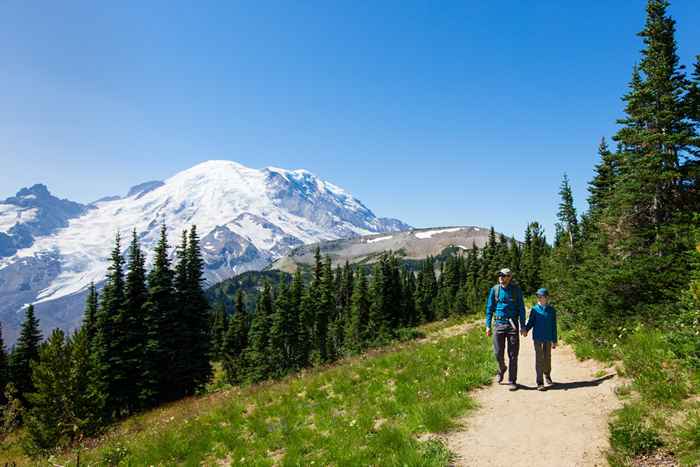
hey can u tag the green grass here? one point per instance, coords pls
(659, 412)
(364, 410)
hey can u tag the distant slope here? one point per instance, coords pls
(415, 244)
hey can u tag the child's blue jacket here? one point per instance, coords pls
(544, 320)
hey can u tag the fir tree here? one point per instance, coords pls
(256, 354)
(4, 369)
(160, 326)
(25, 352)
(46, 420)
(356, 326)
(218, 330)
(200, 371)
(90, 315)
(568, 220)
(111, 371)
(235, 342)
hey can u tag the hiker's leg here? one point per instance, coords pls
(547, 350)
(539, 361)
(499, 343)
(513, 350)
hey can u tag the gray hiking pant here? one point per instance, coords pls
(502, 334)
(543, 359)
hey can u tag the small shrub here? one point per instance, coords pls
(630, 433)
(408, 334)
(689, 436)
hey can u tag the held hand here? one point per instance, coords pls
(523, 333)
(554, 345)
(488, 332)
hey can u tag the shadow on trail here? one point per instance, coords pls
(572, 385)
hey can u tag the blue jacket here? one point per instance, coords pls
(508, 305)
(544, 320)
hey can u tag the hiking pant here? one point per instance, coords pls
(505, 333)
(543, 359)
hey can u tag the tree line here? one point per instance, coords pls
(344, 310)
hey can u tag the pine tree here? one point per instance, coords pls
(131, 323)
(256, 354)
(282, 332)
(4, 369)
(197, 317)
(86, 403)
(356, 326)
(218, 330)
(300, 339)
(46, 420)
(90, 315)
(235, 342)
(159, 313)
(568, 220)
(25, 352)
(111, 371)
(601, 187)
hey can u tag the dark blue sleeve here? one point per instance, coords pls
(554, 324)
(490, 302)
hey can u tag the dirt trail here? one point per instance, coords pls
(564, 426)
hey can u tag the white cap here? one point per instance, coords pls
(505, 272)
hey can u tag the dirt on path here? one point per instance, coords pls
(567, 425)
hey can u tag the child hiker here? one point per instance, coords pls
(543, 318)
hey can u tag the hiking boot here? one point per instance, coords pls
(512, 387)
(500, 376)
(540, 387)
(548, 380)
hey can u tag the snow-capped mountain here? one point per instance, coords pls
(246, 218)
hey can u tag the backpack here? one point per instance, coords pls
(497, 291)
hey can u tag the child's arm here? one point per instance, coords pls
(531, 321)
(554, 326)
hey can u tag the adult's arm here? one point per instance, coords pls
(490, 303)
(521, 307)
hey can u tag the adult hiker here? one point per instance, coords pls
(505, 305)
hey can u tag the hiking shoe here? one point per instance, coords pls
(500, 376)
(548, 380)
(540, 387)
(512, 387)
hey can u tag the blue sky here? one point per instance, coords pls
(438, 113)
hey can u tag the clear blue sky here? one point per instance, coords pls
(438, 113)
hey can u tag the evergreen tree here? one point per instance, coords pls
(601, 187)
(235, 342)
(111, 371)
(46, 420)
(283, 332)
(256, 354)
(131, 324)
(200, 371)
(356, 326)
(25, 352)
(4, 369)
(568, 220)
(90, 315)
(159, 321)
(218, 330)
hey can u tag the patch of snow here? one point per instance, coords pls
(11, 215)
(430, 233)
(462, 247)
(379, 239)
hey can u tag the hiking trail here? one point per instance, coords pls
(567, 425)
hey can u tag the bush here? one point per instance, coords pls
(630, 433)
(689, 436)
(650, 360)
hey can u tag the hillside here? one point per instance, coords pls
(415, 244)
